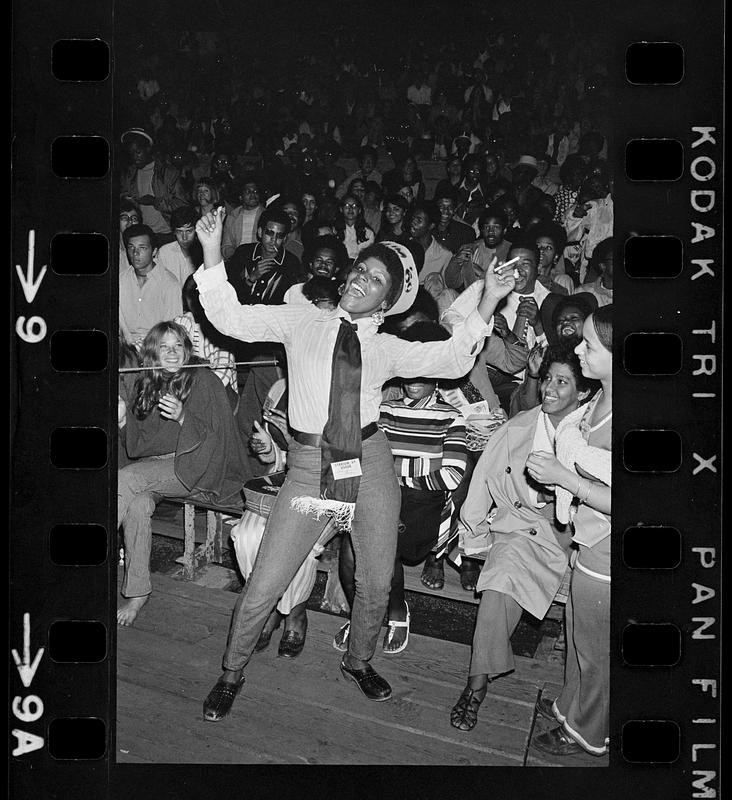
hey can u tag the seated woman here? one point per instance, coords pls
(393, 226)
(511, 518)
(180, 427)
(427, 439)
(351, 228)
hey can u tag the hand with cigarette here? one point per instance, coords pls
(209, 230)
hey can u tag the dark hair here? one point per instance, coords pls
(356, 180)
(525, 242)
(425, 331)
(396, 200)
(374, 188)
(139, 230)
(128, 204)
(493, 211)
(428, 207)
(359, 223)
(393, 264)
(423, 303)
(366, 150)
(602, 319)
(550, 230)
(571, 162)
(283, 201)
(332, 243)
(321, 288)
(185, 215)
(559, 354)
(473, 158)
(153, 384)
(602, 250)
(446, 193)
(274, 214)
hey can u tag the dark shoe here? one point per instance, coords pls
(557, 743)
(220, 699)
(368, 681)
(544, 707)
(464, 714)
(292, 643)
(469, 574)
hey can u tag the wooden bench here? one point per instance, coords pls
(211, 550)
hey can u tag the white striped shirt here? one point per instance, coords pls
(309, 336)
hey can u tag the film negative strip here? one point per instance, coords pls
(667, 66)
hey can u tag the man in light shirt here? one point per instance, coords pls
(148, 293)
(183, 256)
(473, 259)
(423, 218)
(242, 224)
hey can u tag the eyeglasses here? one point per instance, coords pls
(352, 206)
(133, 218)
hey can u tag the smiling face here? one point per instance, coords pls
(492, 230)
(367, 286)
(324, 262)
(417, 388)
(595, 359)
(526, 269)
(171, 352)
(394, 214)
(569, 322)
(446, 207)
(559, 395)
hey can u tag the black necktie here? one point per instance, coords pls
(342, 433)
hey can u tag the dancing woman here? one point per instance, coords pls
(340, 464)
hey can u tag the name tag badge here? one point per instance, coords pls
(350, 468)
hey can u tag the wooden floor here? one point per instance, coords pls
(304, 711)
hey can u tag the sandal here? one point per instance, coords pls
(469, 574)
(433, 573)
(340, 640)
(464, 714)
(392, 626)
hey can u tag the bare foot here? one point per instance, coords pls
(433, 574)
(128, 611)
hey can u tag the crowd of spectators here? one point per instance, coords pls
(470, 146)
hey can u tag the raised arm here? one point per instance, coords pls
(250, 323)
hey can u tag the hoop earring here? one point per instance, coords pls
(378, 318)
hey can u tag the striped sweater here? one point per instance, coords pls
(428, 442)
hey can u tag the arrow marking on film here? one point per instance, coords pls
(28, 281)
(27, 669)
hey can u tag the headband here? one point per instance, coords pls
(409, 282)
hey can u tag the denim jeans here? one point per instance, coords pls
(140, 487)
(289, 536)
